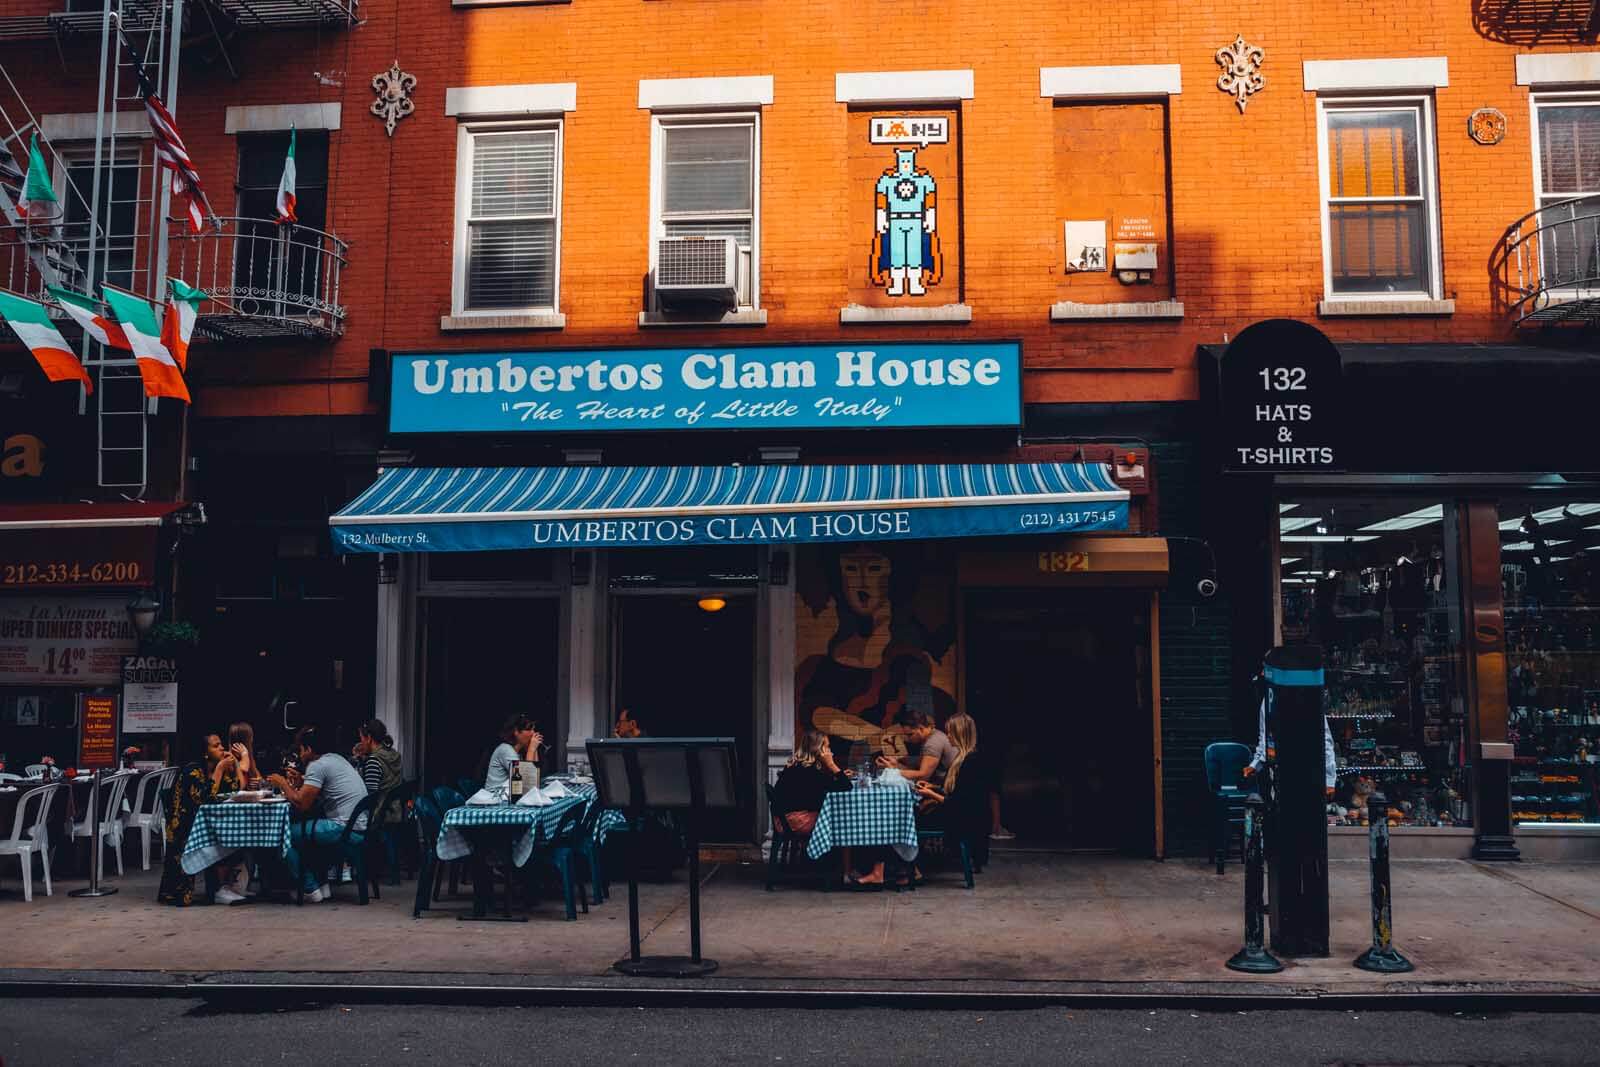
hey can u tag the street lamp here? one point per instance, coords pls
(142, 612)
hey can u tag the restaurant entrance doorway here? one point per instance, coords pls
(485, 660)
(684, 671)
(1054, 680)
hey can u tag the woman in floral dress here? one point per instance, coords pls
(198, 783)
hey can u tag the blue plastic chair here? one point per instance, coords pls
(564, 848)
(351, 848)
(467, 786)
(1225, 763)
(429, 819)
(590, 848)
(447, 798)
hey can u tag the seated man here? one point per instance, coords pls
(333, 782)
(931, 751)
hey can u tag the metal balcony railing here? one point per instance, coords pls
(1546, 268)
(266, 281)
(287, 14)
(1529, 23)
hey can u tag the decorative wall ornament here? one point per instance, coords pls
(1241, 75)
(394, 103)
(1487, 125)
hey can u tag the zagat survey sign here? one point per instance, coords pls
(860, 386)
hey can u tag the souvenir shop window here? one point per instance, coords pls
(1370, 581)
(1550, 585)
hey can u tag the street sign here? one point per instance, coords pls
(1282, 399)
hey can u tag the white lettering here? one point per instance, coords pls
(692, 371)
(472, 380)
(419, 376)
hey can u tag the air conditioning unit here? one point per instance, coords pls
(697, 270)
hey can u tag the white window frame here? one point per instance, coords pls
(1568, 98)
(659, 123)
(466, 133)
(1427, 152)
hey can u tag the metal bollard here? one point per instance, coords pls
(1254, 958)
(94, 888)
(1382, 957)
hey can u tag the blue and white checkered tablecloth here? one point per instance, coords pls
(221, 829)
(529, 824)
(880, 814)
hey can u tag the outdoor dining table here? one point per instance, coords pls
(468, 831)
(883, 812)
(222, 828)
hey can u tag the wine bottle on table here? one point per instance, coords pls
(516, 781)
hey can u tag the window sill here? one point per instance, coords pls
(1072, 311)
(542, 320)
(1368, 309)
(736, 317)
(939, 313)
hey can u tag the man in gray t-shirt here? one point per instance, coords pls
(931, 751)
(331, 783)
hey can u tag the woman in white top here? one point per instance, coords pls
(519, 740)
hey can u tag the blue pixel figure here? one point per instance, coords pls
(906, 239)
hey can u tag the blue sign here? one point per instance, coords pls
(795, 527)
(845, 386)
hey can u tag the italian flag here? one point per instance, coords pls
(85, 311)
(38, 198)
(30, 321)
(177, 326)
(286, 184)
(156, 365)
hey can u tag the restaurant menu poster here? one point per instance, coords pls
(67, 641)
(97, 740)
(149, 695)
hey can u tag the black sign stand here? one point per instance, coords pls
(621, 782)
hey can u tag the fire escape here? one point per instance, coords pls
(1546, 267)
(267, 282)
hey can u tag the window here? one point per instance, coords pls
(507, 214)
(1567, 173)
(1380, 225)
(269, 257)
(706, 187)
(124, 213)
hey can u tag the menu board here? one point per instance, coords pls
(149, 695)
(97, 738)
(68, 641)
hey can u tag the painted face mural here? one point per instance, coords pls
(906, 258)
(866, 582)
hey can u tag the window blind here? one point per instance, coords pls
(707, 169)
(511, 228)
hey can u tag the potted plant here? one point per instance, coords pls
(172, 639)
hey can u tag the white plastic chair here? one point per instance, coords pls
(7, 776)
(37, 840)
(112, 788)
(36, 770)
(149, 812)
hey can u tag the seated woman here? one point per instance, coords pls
(242, 745)
(959, 805)
(216, 775)
(519, 740)
(809, 777)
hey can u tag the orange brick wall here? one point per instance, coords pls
(1245, 240)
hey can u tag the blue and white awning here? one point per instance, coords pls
(471, 509)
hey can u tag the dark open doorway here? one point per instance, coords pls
(1053, 682)
(487, 659)
(683, 671)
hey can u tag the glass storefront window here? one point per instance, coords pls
(1372, 582)
(1550, 584)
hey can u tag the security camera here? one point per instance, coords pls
(1206, 587)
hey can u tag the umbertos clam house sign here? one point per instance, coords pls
(811, 387)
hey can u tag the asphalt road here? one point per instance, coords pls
(131, 1031)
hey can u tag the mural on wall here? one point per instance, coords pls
(906, 165)
(875, 631)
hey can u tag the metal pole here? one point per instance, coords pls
(1382, 957)
(633, 887)
(94, 889)
(1254, 958)
(694, 889)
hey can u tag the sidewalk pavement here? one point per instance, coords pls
(1036, 922)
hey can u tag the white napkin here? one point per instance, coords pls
(484, 798)
(533, 799)
(554, 790)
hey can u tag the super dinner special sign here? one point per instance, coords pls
(845, 386)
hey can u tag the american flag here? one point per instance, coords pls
(170, 152)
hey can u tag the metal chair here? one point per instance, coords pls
(1225, 763)
(37, 840)
(148, 814)
(112, 789)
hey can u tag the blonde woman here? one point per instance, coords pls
(961, 807)
(809, 777)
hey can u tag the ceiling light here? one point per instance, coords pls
(1411, 519)
(1570, 511)
(1286, 507)
(1528, 546)
(1291, 559)
(1296, 523)
(1340, 538)
(711, 604)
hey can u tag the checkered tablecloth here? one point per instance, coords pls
(877, 815)
(222, 829)
(529, 824)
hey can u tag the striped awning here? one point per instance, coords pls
(470, 509)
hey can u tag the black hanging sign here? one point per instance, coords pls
(1282, 399)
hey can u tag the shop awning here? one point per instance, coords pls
(79, 546)
(470, 509)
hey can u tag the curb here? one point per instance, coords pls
(235, 993)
